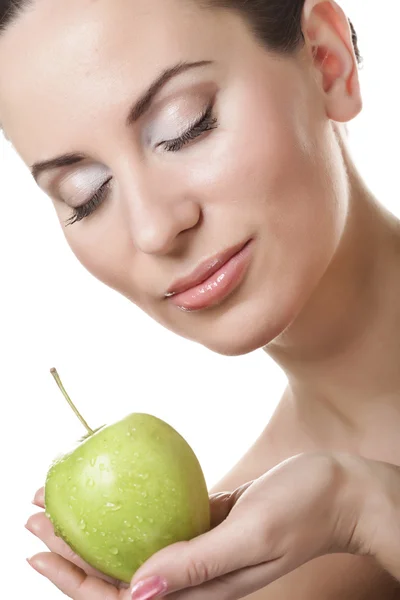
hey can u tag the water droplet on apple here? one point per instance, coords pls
(72, 498)
(90, 482)
(102, 467)
(112, 506)
(94, 530)
(127, 524)
(116, 452)
(144, 494)
(80, 459)
(82, 524)
(102, 534)
(128, 433)
(140, 519)
(114, 551)
(151, 520)
(93, 462)
(136, 454)
(130, 540)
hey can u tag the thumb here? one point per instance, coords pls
(231, 545)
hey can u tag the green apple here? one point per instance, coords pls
(126, 491)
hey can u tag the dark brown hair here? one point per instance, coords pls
(10, 11)
(276, 23)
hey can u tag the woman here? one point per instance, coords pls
(200, 145)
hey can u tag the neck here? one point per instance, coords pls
(342, 352)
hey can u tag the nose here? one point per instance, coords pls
(158, 214)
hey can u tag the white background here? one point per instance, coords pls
(113, 358)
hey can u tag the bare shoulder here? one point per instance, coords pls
(334, 577)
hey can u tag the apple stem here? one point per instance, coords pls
(68, 399)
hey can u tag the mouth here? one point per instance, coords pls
(213, 280)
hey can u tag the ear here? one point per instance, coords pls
(328, 36)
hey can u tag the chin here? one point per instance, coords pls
(235, 347)
(243, 330)
(254, 323)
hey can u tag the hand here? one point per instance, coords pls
(308, 506)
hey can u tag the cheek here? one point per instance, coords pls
(304, 214)
(280, 174)
(103, 246)
(277, 173)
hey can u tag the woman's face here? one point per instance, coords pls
(260, 164)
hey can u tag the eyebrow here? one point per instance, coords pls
(139, 108)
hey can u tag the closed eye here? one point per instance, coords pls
(83, 211)
(204, 123)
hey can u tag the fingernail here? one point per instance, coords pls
(36, 499)
(149, 589)
(30, 528)
(35, 564)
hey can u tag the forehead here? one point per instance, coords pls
(72, 60)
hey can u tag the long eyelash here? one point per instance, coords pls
(81, 212)
(205, 123)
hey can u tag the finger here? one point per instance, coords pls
(42, 527)
(72, 581)
(38, 500)
(222, 503)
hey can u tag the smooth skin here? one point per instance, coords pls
(321, 294)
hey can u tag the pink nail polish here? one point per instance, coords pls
(149, 589)
(36, 565)
(31, 528)
(35, 500)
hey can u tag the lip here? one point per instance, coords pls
(213, 280)
(204, 270)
